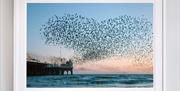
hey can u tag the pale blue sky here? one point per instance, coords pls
(38, 14)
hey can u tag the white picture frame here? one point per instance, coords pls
(20, 30)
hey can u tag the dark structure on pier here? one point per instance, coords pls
(37, 68)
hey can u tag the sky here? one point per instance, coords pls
(38, 14)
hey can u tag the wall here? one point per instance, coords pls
(172, 71)
(6, 36)
(172, 47)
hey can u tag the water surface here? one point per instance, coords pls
(92, 80)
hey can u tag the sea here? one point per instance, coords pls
(91, 81)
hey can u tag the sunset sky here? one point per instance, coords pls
(38, 14)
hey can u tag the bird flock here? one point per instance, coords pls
(92, 39)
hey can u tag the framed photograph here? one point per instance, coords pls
(94, 45)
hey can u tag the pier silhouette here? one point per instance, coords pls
(38, 68)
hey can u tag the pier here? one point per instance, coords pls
(37, 68)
